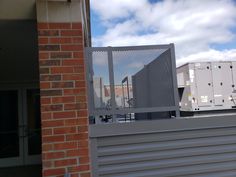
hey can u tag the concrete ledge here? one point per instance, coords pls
(154, 126)
(58, 11)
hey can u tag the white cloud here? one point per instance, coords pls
(192, 25)
(112, 9)
(136, 65)
(210, 55)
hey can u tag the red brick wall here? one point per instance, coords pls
(63, 100)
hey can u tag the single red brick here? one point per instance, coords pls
(74, 175)
(79, 168)
(79, 69)
(66, 162)
(83, 144)
(82, 113)
(42, 26)
(49, 47)
(65, 40)
(65, 99)
(82, 106)
(51, 92)
(77, 40)
(65, 145)
(75, 106)
(80, 84)
(79, 54)
(54, 155)
(78, 121)
(49, 62)
(71, 106)
(64, 130)
(76, 32)
(82, 129)
(46, 115)
(44, 71)
(47, 164)
(83, 121)
(81, 98)
(73, 77)
(47, 147)
(84, 160)
(61, 55)
(70, 122)
(78, 91)
(43, 40)
(56, 107)
(76, 26)
(49, 139)
(73, 153)
(54, 172)
(60, 25)
(45, 85)
(77, 137)
(43, 55)
(50, 78)
(45, 100)
(46, 132)
(72, 47)
(60, 70)
(52, 123)
(62, 84)
(69, 114)
(85, 175)
(48, 33)
(73, 62)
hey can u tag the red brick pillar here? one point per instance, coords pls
(63, 100)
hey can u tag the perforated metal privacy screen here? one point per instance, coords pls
(131, 79)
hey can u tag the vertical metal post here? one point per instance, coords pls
(123, 94)
(101, 94)
(89, 68)
(173, 64)
(94, 156)
(112, 82)
(128, 90)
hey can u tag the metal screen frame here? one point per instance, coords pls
(89, 75)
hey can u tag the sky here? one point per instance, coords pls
(201, 30)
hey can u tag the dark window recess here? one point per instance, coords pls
(9, 138)
(34, 123)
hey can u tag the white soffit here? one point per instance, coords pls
(17, 9)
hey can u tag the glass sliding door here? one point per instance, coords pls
(33, 126)
(20, 127)
(11, 146)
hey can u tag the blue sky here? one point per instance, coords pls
(201, 31)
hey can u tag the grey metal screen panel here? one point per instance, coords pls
(197, 151)
(123, 62)
(153, 85)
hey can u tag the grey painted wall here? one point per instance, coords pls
(179, 147)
